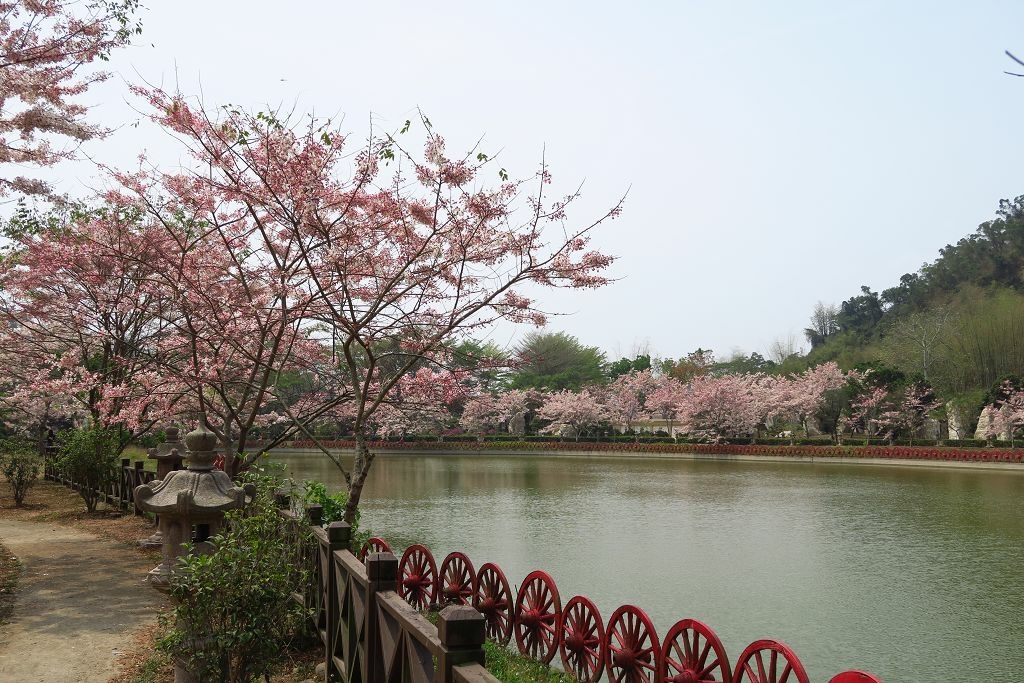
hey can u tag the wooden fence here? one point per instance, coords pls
(370, 633)
(118, 492)
(368, 617)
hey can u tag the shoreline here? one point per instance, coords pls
(714, 457)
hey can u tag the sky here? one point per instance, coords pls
(774, 154)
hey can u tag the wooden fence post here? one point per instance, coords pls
(315, 512)
(137, 481)
(382, 575)
(339, 535)
(123, 484)
(462, 633)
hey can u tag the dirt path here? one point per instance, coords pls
(77, 599)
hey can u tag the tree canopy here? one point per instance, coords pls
(554, 361)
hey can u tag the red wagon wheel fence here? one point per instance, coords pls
(417, 577)
(493, 598)
(632, 647)
(373, 545)
(456, 580)
(582, 640)
(538, 611)
(693, 653)
(627, 648)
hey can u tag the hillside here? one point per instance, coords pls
(957, 323)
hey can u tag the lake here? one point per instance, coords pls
(914, 574)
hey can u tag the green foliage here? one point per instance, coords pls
(554, 361)
(21, 465)
(624, 366)
(89, 458)
(881, 375)
(234, 614)
(958, 322)
(966, 409)
(860, 314)
(485, 360)
(152, 439)
(333, 506)
(745, 365)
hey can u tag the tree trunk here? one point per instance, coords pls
(360, 470)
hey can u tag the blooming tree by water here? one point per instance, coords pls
(46, 48)
(394, 253)
(572, 411)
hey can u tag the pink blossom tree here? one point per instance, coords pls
(718, 408)
(626, 397)
(46, 47)
(917, 402)
(664, 400)
(78, 313)
(484, 413)
(576, 412)
(868, 408)
(480, 414)
(804, 394)
(400, 252)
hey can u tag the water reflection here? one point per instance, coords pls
(911, 573)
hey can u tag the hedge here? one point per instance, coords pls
(819, 451)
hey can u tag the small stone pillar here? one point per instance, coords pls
(168, 456)
(191, 502)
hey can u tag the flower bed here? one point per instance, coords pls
(881, 452)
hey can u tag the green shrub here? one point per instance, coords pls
(89, 458)
(234, 615)
(20, 465)
(333, 507)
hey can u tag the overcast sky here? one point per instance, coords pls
(776, 153)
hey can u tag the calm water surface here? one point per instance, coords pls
(913, 574)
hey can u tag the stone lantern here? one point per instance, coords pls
(191, 502)
(168, 456)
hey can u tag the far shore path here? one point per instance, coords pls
(78, 600)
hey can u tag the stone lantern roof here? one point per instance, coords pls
(198, 491)
(169, 452)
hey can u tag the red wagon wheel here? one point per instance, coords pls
(855, 677)
(769, 661)
(538, 609)
(632, 648)
(693, 653)
(582, 641)
(493, 599)
(374, 545)
(456, 581)
(417, 576)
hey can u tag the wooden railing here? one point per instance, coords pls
(367, 617)
(370, 633)
(119, 491)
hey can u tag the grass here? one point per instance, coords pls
(509, 666)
